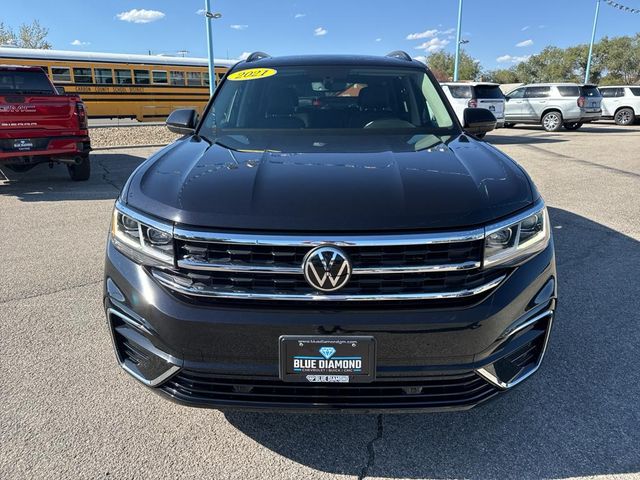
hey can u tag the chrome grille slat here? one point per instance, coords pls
(383, 267)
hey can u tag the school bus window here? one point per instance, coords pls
(123, 77)
(141, 77)
(205, 78)
(177, 78)
(159, 76)
(104, 76)
(61, 74)
(193, 78)
(82, 75)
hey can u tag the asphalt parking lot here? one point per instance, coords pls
(68, 411)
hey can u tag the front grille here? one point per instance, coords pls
(205, 389)
(410, 267)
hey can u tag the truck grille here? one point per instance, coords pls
(444, 391)
(383, 268)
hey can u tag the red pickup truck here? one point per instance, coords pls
(40, 125)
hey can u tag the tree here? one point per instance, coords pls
(31, 35)
(503, 75)
(7, 37)
(442, 65)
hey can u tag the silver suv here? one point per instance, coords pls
(621, 103)
(553, 105)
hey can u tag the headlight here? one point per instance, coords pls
(518, 239)
(140, 238)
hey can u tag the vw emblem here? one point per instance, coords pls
(326, 269)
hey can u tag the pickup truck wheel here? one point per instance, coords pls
(624, 116)
(552, 121)
(80, 171)
(509, 125)
(572, 126)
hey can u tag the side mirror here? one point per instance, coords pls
(506, 99)
(182, 121)
(478, 121)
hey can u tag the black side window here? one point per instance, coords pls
(635, 91)
(459, 91)
(537, 92)
(519, 93)
(568, 91)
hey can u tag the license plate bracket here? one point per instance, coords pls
(327, 359)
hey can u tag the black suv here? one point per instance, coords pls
(329, 237)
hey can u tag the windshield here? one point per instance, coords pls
(24, 81)
(384, 100)
(590, 92)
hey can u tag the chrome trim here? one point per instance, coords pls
(165, 279)
(173, 369)
(492, 228)
(231, 267)
(144, 218)
(336, 240)
(491, 378)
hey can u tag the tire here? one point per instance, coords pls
(552, 121)
(624, 116)
(81, 171)
(572, 126)
(480, 136)
(509, 125)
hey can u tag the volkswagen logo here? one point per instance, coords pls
(326, 269)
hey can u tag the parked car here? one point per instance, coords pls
(40, 125)
(553, 105)
(329, 237)
(464, 95)
(621, 103)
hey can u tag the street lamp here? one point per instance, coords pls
(593, 37)
(209, 15)
(458, 42)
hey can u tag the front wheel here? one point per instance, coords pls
(80, 172)
(509, 125)
(572, 126)
(552, 121)
(624, 116)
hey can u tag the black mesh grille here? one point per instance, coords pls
(429, 392)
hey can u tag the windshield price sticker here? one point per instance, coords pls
(252, 74)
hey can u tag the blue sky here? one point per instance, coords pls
(499, 31)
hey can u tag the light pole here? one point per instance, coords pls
(593, 37)
(209, 16)
(458, 41)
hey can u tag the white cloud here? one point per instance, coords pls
(140, 16)
(239, 27)
(525, 43)
(421, 58)
(244, 55)
(320, 31)
(541, 26)
(378, 39)
(78, 43)
(525, 28)
(447, 31)
(299, 15)
(512, 59)
(200, 11)
(425, 34)
(433, 45)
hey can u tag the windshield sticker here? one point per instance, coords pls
(252, 74)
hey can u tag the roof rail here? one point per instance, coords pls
(257, 56)
(400, 54)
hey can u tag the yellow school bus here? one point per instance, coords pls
(112, 85)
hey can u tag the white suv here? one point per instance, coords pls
(463, 95)
(553, 105)
(621, 103)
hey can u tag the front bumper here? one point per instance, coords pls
(221, 355)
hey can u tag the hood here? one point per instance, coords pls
(348, 183)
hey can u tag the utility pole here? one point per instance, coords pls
(458, 41)
(593, 37)
(209, 16)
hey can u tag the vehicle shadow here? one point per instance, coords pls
(578, 416)
(109, 172)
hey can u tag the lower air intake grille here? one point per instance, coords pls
(205, 389)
